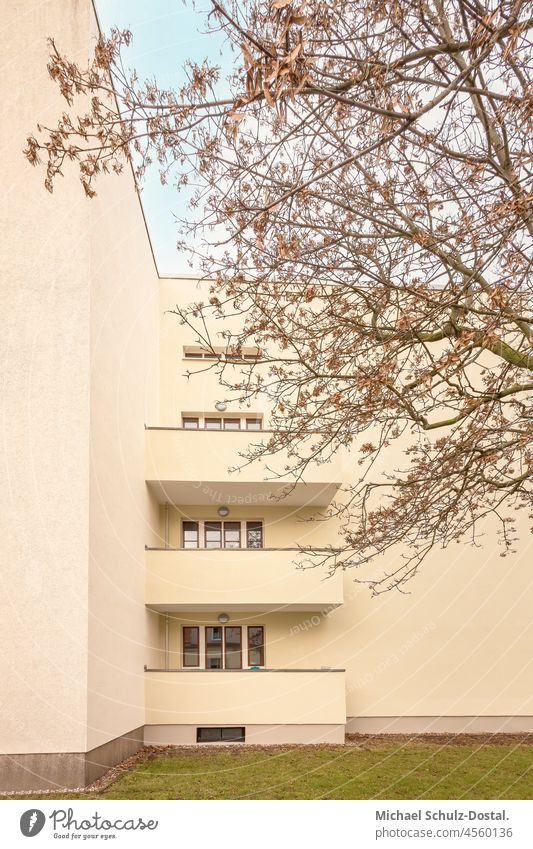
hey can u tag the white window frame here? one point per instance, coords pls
(202, 643)
(241, 417)
(196, 352)
(201, 534)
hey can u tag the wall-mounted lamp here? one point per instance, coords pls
(223, 511)
(223, 618)
(221, 406)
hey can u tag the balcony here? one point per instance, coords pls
(191, 467)
(270, 697)
(264, 580)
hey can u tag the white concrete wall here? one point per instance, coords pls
(124, 325)
(45, 402)
(79, 379)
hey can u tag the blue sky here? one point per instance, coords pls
(165, 34)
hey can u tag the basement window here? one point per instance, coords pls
(220, 735)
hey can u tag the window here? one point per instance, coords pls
(222, 647)
(190, 421)
(238, 355)
(232, 534)
(254, 535)
(230, 354)
(213, 534)
(191, 646)
(256, 645)
(190, 535)
(220, 735)
(195, 353)
(232, 647)
(213, 647)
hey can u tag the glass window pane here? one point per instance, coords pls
(190, 535)
(213, 648)
(191, 646)
(254, 534)
(213, 424)
(253, 424)
(232, 354)
(232, 735)
(232, 534)
(208, 735)
(233, 647)
(190, 423)
(217, 735)
(232, 424)
(256, 645)
(213, 534)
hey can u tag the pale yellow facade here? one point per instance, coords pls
(109, 504)
(79, 378)
(455, 652)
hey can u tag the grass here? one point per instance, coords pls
(370, 769)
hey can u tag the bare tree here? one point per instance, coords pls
(367, 186)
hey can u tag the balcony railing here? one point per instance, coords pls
(264, 579)
(240, 697)
(192, 467)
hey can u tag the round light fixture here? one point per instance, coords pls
(223, 618)
(221, 406)
(223, 511)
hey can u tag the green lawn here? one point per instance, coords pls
(385, 769)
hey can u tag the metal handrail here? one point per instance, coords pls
(309, 550)
(214, 430)
(258, 669)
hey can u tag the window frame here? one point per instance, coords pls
(221, 728)
(227, 419)
(222, 648)
(201, 537)
(238, 530)
(261, 665)
(231, 355)
(233, 668)
(241, 420)
(247, 530)
(213, 522)
(183, 529)
(190, 628)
